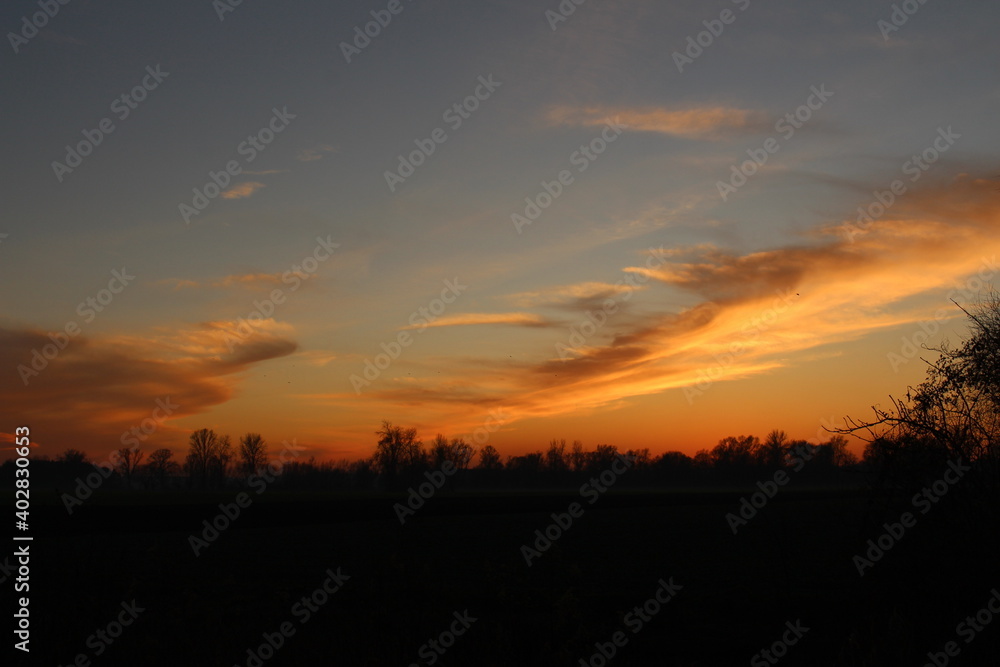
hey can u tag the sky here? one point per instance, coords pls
(633, 223)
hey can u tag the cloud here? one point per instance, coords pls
(98, 388)
(242, 190)
(319, 358)
(715, 122)
(247, 280)
(754, 312)
(569, 294)
(519, 319)
(315, 153)
(177, 283)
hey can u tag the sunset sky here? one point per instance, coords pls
(723, 309)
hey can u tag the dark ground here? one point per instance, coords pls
(462, 552)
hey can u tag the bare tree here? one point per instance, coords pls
(489, 458)
(253, 453)
(954, 414)
(208, 457)
(398, 448)
(160, 465)
(72, 456)
(555, 457)
(774, 449)
(126, 461)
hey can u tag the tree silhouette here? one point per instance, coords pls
(954, 414)
(398, 449)
(489, 458)
(774, 449)
(253, 454)
(208, 457)
(72, 456)
(160, 465)
(126, 462)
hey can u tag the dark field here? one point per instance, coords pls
(792, 562)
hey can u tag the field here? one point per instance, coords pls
(462, 552)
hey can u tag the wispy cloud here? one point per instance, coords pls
(775, 303)
(315, 153)
(97, 388)
(519, 319)
(709, 122)
(242, 190)
(568, 294)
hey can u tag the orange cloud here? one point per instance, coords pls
(757, 311)
(690, 123)
(242, 190)
(315, 153)
(96, 389)
(521, 319)
(568, 294)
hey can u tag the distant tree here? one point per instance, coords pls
(957, 406)
(774, 450)
(578, 457)
(126, 461)
(555, 457)
(703, 459)
(440, 450)
(602, 458)
(72, 456)
(953, 415)
(208, 457)
(462, 453)
(840, 455)
(253, 454)
(641, 458)
(159, 465)
(457, 451)
(736, 452)
(489, 458)
(397, 449)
